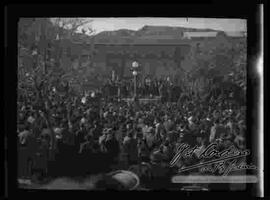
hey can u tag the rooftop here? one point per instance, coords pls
(236, 34)
(190, 35)
(142, 41)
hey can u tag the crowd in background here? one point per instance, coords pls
(77, 135)
(148, 88)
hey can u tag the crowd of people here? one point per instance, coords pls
(64, 135)
(148, 88)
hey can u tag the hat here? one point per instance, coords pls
(58, 131)
(128, 179)
(23, 136)
(156, 156)
(83, 120)
(30, 119)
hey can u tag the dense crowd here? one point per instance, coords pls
(63, 135)
(147, 88)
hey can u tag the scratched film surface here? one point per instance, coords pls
(131, 108)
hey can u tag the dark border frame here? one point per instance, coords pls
(14, 12)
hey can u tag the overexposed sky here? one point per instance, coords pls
(110, 24)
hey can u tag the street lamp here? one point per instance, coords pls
(135, 66)
(135, 73)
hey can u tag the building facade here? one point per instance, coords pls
(159, 55)
(155, 60)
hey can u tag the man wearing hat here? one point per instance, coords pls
(80, 136)
(150, 137)
(160, 131)
(86, 147)
(130, 148)
(218, 131)
(143, 150)
(102, 139)
(42, 156)
(26, 149)
(168, 123)
(112, 147)
(160, 173)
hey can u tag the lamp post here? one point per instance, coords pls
(135, 66)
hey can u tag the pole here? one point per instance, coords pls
(45, 66)
(44, 43)
(118, 91)
(92, 51)
(135, 87)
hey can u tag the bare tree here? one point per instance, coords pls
(91, 31)
(71, 24)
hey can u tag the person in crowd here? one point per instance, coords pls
(130, 148)
(112, 147)
(80, 137)
(160, 132)
(159, 172)
(40, 167)
(168, 123)
(87, 147)
(150, 138)
(218, 131)
(94, 133)
(27, 146)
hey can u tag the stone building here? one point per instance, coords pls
(161, 52)
(157, 59)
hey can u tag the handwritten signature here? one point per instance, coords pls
(224, 162)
